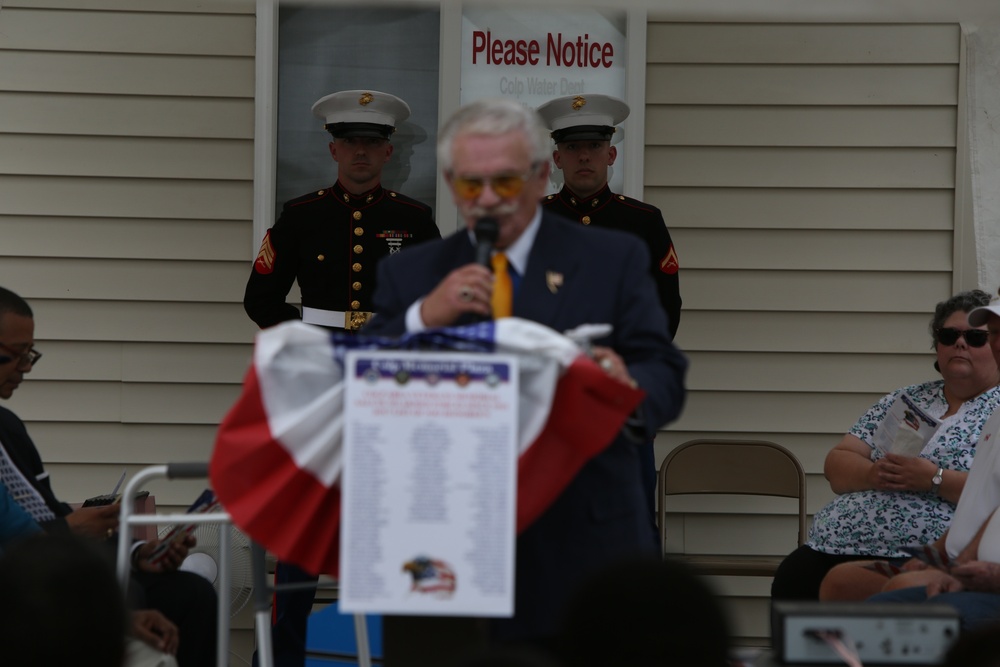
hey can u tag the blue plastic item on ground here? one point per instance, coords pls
(330, 638)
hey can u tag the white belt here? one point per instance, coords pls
(337, 319)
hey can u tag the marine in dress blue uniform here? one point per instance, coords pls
(330, 241)
(582, 127)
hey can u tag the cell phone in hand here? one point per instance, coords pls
(206, 502)
(100, 501)
(108, 498)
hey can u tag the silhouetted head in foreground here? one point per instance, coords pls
(645, 612)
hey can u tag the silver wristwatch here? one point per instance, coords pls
(937, 479)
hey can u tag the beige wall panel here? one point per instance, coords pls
(120, 90)
(809, 448)
(77, 482)
(152, 403)
(129, 403)
(169, 363)
(757, 535)
(779, 412)
(792, 84)
(126, 115)
(846, 250)
(698, 504)
(61, 400)
(818, 494)
(140, 321)
(806, 290)
(700, 125)
(807, 174)
(204, 76)
(118, 238)
(124, 279)
(900, 332)
(192, 6)
(804, 208)
(127, 198)
(142, 362)
(78, 360)
(133, 444)
(802, 43)
(127, 157)
(87, 31)
(741, 586)
(790, 371)
(801, 167)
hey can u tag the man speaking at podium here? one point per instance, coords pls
(495, 158)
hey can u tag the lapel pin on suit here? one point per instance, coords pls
(553, 280)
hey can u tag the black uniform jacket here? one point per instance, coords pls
(330, 241)
(613, 211)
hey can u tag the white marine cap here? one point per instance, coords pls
(361, 113)
(576, 117)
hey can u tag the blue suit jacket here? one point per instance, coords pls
(25, 457)
(15, 523)
(604, 278)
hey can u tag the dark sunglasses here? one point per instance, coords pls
(973, 337)
(24, 359)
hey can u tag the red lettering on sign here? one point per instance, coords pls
(579, 53)
(559, 51)
(504, 52)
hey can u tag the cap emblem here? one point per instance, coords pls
(366, 99)
(579, 102)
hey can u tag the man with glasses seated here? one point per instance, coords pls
(187, 599)
(889, 502)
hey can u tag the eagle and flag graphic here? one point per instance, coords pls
(430, 576)
(278, 456)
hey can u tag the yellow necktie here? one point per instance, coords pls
(502, 289)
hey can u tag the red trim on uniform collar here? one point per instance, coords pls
(375, 194)
(585, 206)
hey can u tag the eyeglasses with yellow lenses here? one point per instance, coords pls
(504, 185)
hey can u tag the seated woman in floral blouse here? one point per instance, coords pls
(887, 502)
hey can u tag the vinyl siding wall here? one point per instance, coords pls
(806, 172)
(807, 175)
(126, 198)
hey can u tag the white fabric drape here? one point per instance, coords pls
(983, 110)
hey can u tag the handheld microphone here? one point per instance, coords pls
(486, 231)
